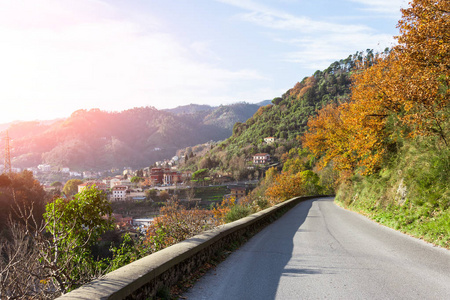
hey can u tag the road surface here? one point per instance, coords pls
(320, 251)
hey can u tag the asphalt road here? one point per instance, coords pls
(320, 251)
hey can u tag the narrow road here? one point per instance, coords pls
(320, 251)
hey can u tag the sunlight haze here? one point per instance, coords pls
(58, 56)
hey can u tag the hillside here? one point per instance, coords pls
(285, 118)
(225, 116)
(98, 140)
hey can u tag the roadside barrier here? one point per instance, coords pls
(143, 278)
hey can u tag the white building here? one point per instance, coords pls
(119, 193)
(114, 182)
(269, 140)
(142, 222)
(261, 158)
(126, 182)
(44, 168)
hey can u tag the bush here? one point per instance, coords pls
(237, 212)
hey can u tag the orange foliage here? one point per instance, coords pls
(413, 81)
(296, 89)
(424, 65)
(300, 88)
(176, 224)
(410, 85)
(223, 209)
(309, 82)
(286, 186)
(262, 109)
(329, 137)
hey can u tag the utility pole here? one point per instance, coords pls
(8, 168)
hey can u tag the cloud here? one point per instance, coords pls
(316, 54)
(300, 24)
(51, 14)
(317, 43)
(266, 16)
(204, 49)
(387, 7)
(60, 56)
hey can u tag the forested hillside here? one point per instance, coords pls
(285, 118)
(99, 140)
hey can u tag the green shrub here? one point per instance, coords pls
(237, 212)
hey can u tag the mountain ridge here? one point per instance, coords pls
(137, 137)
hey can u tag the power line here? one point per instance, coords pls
(8, 168)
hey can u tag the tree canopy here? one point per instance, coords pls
(71, 186)
(403, 93)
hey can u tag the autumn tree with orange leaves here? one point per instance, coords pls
(176, 224)
(289, 185)
(220, 211)
(404, 93)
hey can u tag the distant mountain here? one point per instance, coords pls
(264, 103)
(189, 109)
(99, 140)
(22, 127)
(5, 126)
(195, 108)
(225, 116)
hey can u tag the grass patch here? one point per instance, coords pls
(410, 194)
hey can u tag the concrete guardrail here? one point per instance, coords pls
(143, 278)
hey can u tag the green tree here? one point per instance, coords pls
(71, 187)
(20, 190)
(151, 194)
(164, 195)
(57, 185)
(200, 175)
(75, 225)
(44, 260)
(277, 100)
(136, 179)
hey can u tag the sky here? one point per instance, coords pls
(59, 56)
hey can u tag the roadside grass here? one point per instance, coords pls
(410, 194)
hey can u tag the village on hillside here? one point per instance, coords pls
(150, 185)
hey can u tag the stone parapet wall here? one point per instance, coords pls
(143, 278)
